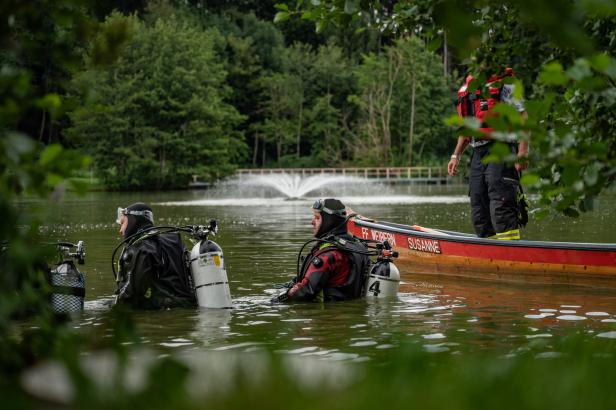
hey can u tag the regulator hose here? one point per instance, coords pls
(159, 230)
(331, 240)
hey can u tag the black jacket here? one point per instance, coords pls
(153, 273)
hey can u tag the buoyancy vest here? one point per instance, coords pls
(474, 104)
(359, 264)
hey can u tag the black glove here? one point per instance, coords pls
(280, 298)
(286, 285)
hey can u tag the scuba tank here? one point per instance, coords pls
(384, 278)
(67, 282)
(207, 268)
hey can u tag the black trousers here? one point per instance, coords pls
(493, 192)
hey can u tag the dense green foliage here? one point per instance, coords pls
(199, 92)
(563, 52)
(158, 115)
(34, 42)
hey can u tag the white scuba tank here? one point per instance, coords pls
(207, 268)
(383, 280)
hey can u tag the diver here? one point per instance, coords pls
(152, 273)
(337, 265)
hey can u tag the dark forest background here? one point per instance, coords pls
(203, 87)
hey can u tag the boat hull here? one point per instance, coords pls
(427, 251)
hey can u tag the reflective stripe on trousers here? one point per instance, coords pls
(511, 235)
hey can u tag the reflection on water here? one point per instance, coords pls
(261, 239)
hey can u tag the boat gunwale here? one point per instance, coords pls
(467, 238)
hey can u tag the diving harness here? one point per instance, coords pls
(208, 276)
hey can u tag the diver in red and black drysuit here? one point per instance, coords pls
(152, 270)
(335, 268)
(494, 188)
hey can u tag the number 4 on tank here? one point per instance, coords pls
(374, 289)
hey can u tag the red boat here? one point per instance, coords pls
(439, 252)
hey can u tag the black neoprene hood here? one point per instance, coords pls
(137, 222)
(332, 223)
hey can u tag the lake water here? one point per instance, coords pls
(261, 234)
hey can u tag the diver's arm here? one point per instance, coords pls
(314, 279)
(139, 277)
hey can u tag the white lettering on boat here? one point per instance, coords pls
(424, 245)
(364, 233)
(383, 236)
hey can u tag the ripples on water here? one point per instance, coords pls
(261, 238)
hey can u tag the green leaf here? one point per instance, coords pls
(580, 70)
(498, 153)
(51, 103)
(570, 174)
(591, 174)
(350, 6)
(529, 179)
(604, 8)
(19, 143)
(435, 44)
(611, 68)
(281, 6)
(454, 121)
(600, 62)
(52, 179)
(50, 153)
(281, 16)
(308, 15)
(553, 74)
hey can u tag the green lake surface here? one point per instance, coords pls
(261, 233)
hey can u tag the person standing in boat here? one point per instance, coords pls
(335, 268)
(152, 270)
(493, 187)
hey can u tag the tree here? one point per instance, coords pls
(398, 96)
(283, 97)
(160, 113)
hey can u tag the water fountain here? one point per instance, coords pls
(272, 189)
(296, 187)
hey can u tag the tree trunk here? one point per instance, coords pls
(445, 56)
(412, 124)
(255, 150)
(162, 167)
(420, 153)
(264, 153)
(43, 120)
(299, 126)
(278, 150)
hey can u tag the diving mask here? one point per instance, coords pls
(125, 211)
(319, 205)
